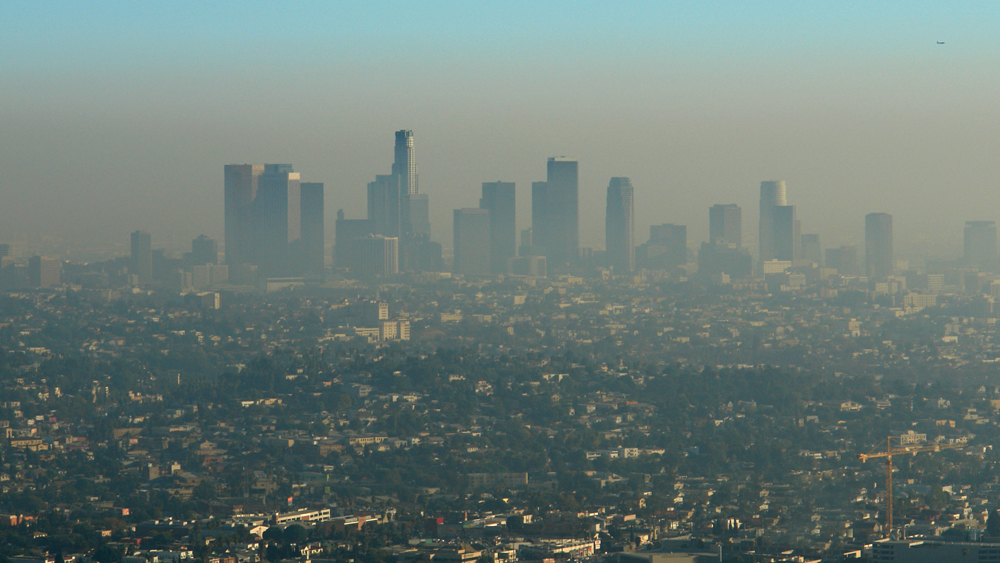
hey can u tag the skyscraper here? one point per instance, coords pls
(533, 266)
(277, 218)
(499, 200)
(404, 165)
(715, 259)
(44, 272)
(241, 182)
(141, 265)
(348, 231)
(666, 248)
(415, 215)
(724, 252)
(422, 255)
(384, 205)
(981, 244)
(472, 242)
(12, 276)
(797, 239)
(377, 256)
(878, 246)
(395, 205)
(810, 249)
(204, 250)
(313, 238)
(539, 217)
(267, 216)
(418, 253)
(526, 248)
(784, 230)
(556, 204)
(619, 226)
(725, 224)
(772, 195)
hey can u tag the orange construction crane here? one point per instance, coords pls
(899, 449)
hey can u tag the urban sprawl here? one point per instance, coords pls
(521, 400)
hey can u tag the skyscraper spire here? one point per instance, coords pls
(396, 208)
(405, 164)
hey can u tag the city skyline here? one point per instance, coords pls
(286, 222)
(845, 112)
(243, 182)
(408, 211)
(396, 208)
(520, 282)
(586, 224)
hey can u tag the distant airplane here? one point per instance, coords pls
(940, 42)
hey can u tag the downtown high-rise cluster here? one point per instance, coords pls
(275, 235)
(274, 224)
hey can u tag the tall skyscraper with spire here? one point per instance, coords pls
(772, 196)
(397, 209)
(619, 226)
(389, 196)
(404, 165)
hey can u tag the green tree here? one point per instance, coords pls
(107, 554)
(273, 552)
(993, 524)
(204, 491)
(274, 534)
(295, 534)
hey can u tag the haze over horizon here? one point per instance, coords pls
(120, 116)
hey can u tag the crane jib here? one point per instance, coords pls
(900, 450)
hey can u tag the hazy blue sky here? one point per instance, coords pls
(120, 115)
